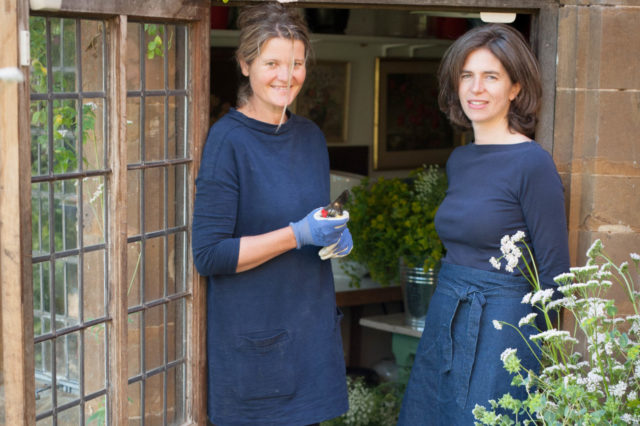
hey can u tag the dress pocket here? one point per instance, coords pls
(264, 367)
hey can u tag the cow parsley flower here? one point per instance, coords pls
(518, 236)
(619, 389)
(595, 249)
(541, 296)
(564, 278)
(527, 319)
(495, 263)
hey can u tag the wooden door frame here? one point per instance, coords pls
(15, 225)
(16, 297)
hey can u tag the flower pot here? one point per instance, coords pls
(418, 286)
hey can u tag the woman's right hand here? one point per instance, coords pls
(316, 230)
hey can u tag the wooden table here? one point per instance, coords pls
(355, 300)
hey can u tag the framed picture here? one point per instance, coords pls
(324, 98)
(409, 128)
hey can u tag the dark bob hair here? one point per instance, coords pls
(511, 49)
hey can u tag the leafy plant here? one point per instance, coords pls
(377, 405)
(600, 386)
(392, 218)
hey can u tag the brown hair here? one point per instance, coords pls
(511, 49)
(259, 24)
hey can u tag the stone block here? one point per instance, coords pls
(585, 134)
(620, 48)
(616, 203)
(598, 47)
(567, 47)
(564, 128)
(619, 126)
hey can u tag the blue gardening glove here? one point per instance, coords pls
(340, 249)
(316, 230)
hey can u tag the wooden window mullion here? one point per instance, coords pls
(117, 183)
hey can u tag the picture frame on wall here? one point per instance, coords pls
(409, 128)
(324, 98)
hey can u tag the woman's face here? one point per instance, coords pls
(485, 89)
(280, 60)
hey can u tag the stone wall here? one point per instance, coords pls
(597, 124)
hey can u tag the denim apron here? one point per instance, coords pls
(457, 364)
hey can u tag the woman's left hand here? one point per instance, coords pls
(340, 249)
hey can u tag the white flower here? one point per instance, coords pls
(635, 256)
(595, 249)
(605, 284)
(552, 334)
(564, 277)
(583, 364)
(595, 308)
(97, 194)
(512, 260)
(557, 303)
(587, 269)
(518, 236)
(593, 379)
(495, 263)
(507, 353)
(553, 368)
(527, 319)
(507, 248)
(619, 389)
(497, 325)
(632, 395)
(627, 418)
(541, 296)
(526, 298)
(571, 287)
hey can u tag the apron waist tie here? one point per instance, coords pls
(477, 301)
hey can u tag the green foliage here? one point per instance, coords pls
(155, 47)
(600, 386)
(371, 405)
(392, 219)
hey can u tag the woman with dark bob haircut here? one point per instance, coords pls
(501, 184)
(509, 47)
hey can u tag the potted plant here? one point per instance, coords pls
(391, 222)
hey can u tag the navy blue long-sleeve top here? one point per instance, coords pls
(497, 190)
(273, 337)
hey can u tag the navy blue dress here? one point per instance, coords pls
(494, 190)
(273, 333)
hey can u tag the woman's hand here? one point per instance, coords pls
(317, 230)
